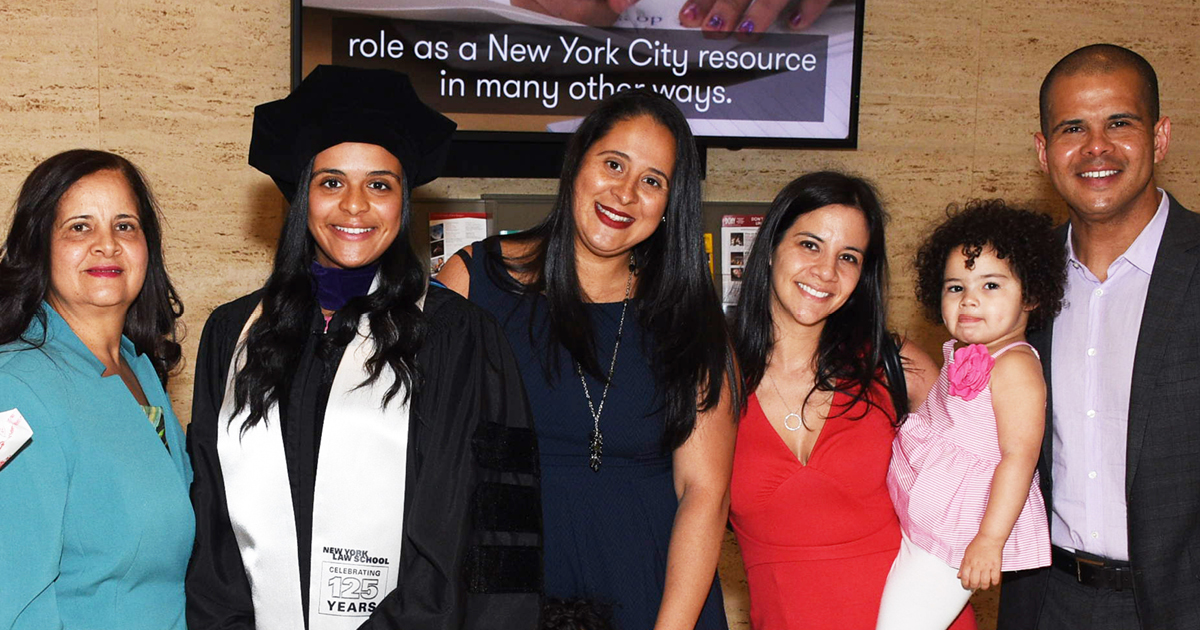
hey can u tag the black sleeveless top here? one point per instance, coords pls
(607, 532)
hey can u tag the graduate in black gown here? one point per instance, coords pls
(363, 449)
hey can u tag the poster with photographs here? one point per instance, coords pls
(737, 237)
(452, 231)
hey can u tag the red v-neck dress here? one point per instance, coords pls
(819, 539)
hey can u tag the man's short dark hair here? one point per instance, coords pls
(1100, 59)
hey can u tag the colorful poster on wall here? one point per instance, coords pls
(708, 253)
(452, 231)
(737, 237)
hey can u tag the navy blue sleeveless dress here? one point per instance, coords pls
(606, 532)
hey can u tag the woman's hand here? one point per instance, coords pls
(981, 563)
(749, 17)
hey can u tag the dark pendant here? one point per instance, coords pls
(597, 448)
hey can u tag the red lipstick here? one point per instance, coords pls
(606, 214)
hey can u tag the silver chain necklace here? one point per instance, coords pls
(798, 415)
(596, 440)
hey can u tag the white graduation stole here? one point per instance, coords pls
(358, 501)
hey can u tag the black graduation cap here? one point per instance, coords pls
(336, 104)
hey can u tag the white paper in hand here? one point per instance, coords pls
(14, 433)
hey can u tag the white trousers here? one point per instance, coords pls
(921, 593)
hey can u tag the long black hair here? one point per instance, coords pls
(678, 306)
(276, 339)
(150, 322)
(849, 352)
(1024, 239)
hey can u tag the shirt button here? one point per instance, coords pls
(1092, 475)
(1095, 534)
(1099, 292)
(1091, 352)
(1091, 413)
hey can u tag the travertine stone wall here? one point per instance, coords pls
(948, 109)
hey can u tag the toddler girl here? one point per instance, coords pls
(963, 475)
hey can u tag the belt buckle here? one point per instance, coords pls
(1079, 562)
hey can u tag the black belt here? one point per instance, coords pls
(1093, 570)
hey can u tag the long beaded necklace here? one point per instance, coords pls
(596, 440)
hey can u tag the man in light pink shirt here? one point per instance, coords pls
(1120, 464)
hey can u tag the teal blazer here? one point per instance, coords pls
(96, 526)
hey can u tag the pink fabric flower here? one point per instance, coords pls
(970, 371)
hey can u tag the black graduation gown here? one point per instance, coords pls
(471, 554)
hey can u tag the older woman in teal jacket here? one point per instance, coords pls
(95, 523)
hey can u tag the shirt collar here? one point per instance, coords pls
(59, 330)
(1144, 249)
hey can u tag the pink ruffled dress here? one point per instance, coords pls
(943, 459)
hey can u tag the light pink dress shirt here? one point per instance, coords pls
(1094, 341)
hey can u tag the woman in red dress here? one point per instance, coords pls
(809, 503)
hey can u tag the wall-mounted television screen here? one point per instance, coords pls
(517, 77)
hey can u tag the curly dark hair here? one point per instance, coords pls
(1024, 238)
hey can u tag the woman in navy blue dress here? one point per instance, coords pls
(610, 310)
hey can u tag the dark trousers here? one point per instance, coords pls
(1070, 605)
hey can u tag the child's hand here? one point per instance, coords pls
(981, 563)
